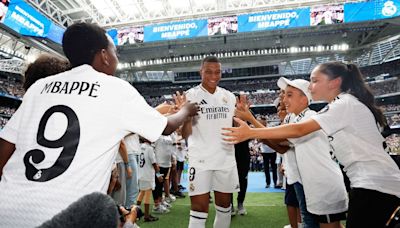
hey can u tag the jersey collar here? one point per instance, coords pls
(206, 91)
(301, 114)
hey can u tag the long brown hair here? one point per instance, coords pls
(353, 83)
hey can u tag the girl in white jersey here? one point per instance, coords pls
(350, 121)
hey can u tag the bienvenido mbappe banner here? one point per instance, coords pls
(175, 30)
(282, 19)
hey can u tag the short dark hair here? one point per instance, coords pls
(81, 42)
(210, 59)
(42, 67)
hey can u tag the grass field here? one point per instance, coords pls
(264, 210)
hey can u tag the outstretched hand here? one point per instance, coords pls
(237, 134)
(192, 108)
(242, 110)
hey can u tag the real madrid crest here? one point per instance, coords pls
(224, 100)
(191, 187)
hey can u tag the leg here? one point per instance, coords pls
(199, 210)
(292, 214)
(132, 189)
(199, 191)
(222, 209)
(266, 170)
(273, 167)
(140, 198)
(292, 205)
(147, 216)
(307, 219)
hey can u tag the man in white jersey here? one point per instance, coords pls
(62, 135)
(212, 165)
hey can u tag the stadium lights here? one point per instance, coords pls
(240, 54)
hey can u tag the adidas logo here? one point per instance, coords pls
(203, 102)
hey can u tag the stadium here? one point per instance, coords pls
(161, 48)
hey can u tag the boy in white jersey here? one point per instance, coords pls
(147, 171)
(62, 152)
(321, 179)
(212, 165)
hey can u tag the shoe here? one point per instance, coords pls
(233, 213)
(287, 226)
(181, 187)
(170, 198)
(166, 205)
(160, 209)
(179, 194)
(267, 186)
(278, 186)
(241, 209)
(150, 219)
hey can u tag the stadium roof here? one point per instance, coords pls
(117, 13)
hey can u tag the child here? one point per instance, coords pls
(146, 173)
(351, 122)
(321, 178)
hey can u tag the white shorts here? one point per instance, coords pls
(202, 181)
(146, 185)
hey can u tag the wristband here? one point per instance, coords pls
(158, 175)
(126, 164)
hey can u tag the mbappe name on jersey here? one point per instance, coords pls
(76, 88)
(213, 113)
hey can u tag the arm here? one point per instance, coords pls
(6, 150)
(177, 119)
(244, 132)
(157, 169)
(187, 128)
(124, 155)
(243, 112)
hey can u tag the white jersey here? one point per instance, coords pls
(207, 149)
(132, 143)
(357, 144)
(146, 160)
(67, 133)
(289, 159)
(321, 177)
(164, 149)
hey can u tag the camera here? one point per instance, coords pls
(139, 212)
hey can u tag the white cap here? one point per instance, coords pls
(300, 84)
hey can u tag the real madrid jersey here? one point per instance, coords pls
(321, 177)
(146, 160)
(67, 134)
(357, 144)
(206, 147)
(289, 158)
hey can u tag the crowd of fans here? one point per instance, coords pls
(7, 111)
(390, 108)
(10, 86)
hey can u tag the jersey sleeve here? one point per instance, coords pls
(152, 156)
(10, 131)
(140, 118)
(334, 117)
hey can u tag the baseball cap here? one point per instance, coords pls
(300, 84)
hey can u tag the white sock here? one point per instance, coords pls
(222, 217)
(197, 219)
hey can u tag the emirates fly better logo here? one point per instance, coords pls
(213, 112)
